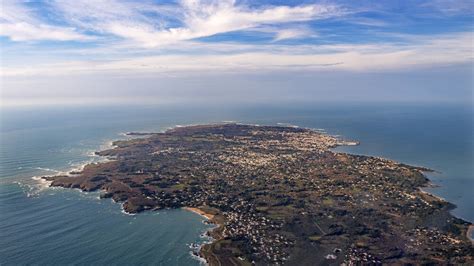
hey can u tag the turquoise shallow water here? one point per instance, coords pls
(58, 226)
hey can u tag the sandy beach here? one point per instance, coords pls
(200, 212)
(469, 232)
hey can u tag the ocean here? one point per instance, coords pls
(55, 226)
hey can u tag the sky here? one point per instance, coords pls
(198, 51)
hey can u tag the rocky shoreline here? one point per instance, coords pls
(205, 250)
(280, 195)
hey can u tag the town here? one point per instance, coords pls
(280, 195)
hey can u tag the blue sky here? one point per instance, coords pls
(55, 50)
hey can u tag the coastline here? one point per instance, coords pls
(92, 157)
(204, 214)
(205, 250)
(430, 184)
(470, 232)
(433, 195)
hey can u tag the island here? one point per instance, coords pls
(281, 195)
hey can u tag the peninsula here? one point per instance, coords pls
(279, 195)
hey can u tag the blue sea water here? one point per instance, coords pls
(40, 225)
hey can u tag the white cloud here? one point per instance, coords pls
(225, 16)
(451, 7)
(19, 24)
(174, 28)
(294, 33)
(22, 31)
(438, 50)
(196, 18)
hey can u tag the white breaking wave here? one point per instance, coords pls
(34, 188)
(37, 184)
(288, 125)
(125, 212)
(47, 169)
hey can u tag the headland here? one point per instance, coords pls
(280, 195)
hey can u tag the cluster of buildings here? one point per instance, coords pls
(277, 190)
